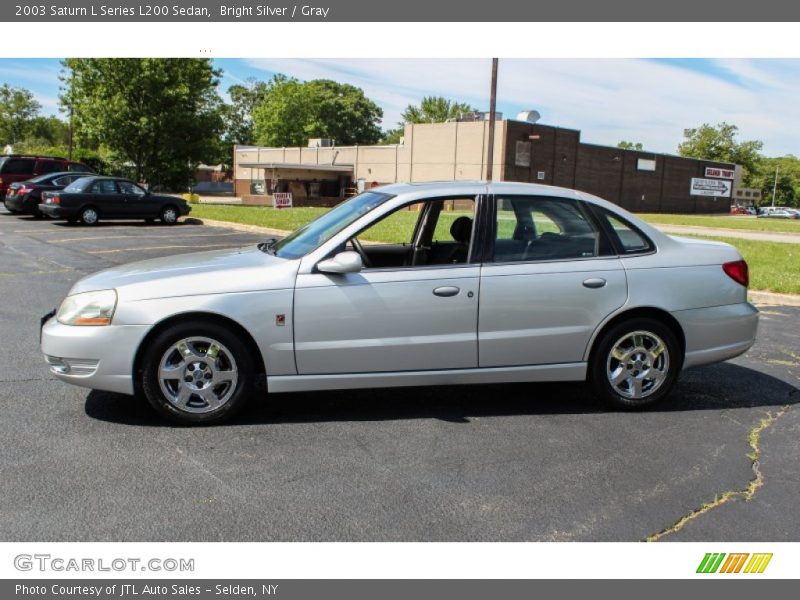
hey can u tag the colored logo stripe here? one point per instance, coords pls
(733, 564)
(758, 563)
(710, 562)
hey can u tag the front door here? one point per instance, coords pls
(138, 203)
(414, 307)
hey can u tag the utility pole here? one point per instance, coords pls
(774, 186)
(492, 115)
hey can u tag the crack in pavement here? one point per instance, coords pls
(753, 438)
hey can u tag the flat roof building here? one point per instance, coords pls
(640, 181)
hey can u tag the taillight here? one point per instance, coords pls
(24, 190)
(738, 271)
(57, 200)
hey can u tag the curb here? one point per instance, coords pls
(755, 296)
(773, 299)
(243, 227)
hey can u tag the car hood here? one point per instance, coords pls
(212, 272)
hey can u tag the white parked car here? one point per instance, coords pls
(408, 285)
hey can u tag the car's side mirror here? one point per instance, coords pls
(344, 262)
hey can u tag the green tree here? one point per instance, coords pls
(290, 112)
(238, 114)
(18, 108)
(630, 145)
(160, 116)
(719, 143)
(432, 109)
(787, 190)
(51, 130)
(435, 109)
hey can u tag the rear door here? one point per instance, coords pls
(550, 281)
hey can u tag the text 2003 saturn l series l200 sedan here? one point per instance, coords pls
(412, 284)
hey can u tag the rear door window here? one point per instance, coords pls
(532, 228)
(104, 186)
(49, 166)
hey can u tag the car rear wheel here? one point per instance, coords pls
(169, 215)
(635, 363)
(197, 373)
(89, 216)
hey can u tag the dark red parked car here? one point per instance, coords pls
(19, 167)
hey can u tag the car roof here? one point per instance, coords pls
(418, 191)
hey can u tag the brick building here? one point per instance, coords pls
(636, 180)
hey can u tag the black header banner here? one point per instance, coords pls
(712, 11)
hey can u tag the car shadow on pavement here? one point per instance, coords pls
(720, 387)
(133, 224)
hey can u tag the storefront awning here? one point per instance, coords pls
(309, 167)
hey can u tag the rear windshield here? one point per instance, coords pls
(19, 166)
(43, 178)
(78, 185)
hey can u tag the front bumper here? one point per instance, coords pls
(100, 358)
(717, 333)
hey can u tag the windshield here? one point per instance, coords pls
(77, 185)
(312, 235)
(42, 178)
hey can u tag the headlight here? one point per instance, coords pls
(89, 308)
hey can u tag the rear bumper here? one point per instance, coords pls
(13, 202)
(22, 203)
(56, 211)
(717, 333)
(100, 358)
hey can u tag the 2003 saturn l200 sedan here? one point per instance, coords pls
(412, 284)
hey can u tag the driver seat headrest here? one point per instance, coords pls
(461, 230)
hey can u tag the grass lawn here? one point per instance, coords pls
(774, 266)
(725, 222)
(262, 216)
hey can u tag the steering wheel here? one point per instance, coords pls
(360, 249)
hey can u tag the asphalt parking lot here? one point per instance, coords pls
(478, 463)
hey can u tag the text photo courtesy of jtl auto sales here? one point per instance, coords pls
(408, 321)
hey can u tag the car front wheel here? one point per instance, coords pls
(169, 215)
(197, 373)
(635, 363)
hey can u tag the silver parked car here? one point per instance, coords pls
(406, 285)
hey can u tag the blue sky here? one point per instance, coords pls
(642, 100)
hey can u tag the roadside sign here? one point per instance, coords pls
(720, 173)
(720, 188)
(282, 200)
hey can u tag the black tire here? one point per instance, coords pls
(634, 359)
(89, 216)
(169, 214)
(197, 410)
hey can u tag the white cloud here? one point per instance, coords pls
(607, 99)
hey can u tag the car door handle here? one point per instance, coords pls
(595, 282)
(446, 291)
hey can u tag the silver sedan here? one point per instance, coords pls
(407, 285)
